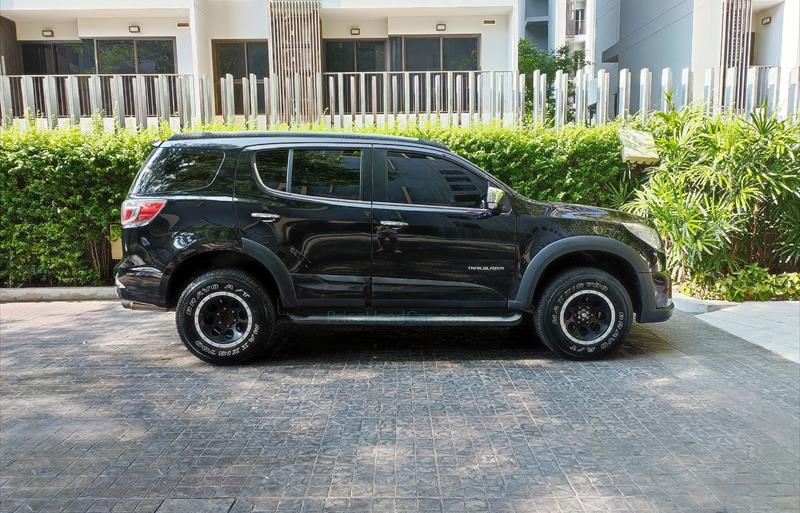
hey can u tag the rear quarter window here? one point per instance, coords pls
(178, 169)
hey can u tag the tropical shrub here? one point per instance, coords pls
(751, 283)
(726, 193)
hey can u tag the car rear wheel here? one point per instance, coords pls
(583, 313)
(226, 317)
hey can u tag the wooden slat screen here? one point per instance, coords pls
(295, 63)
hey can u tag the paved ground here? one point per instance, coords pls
(103, 410)
(753, 320)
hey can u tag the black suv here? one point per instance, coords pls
(239, 232)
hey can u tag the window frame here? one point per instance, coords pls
(365, 171)
(355, 42)
(171, 39)
(53, 60)
(236, 80)
(380, 187)
(441, 37)
(387, 52)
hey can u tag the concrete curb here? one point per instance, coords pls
(692, 305)
(36, 294)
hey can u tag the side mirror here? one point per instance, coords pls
(494, 199)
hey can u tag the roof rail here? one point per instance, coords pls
(189, 136)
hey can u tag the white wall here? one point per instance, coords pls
(767, 41)
(201, 41)
(655, 34)
(62, 6)
(32, 30)
(790, 46)
(494, 39)
(606, 31)
(237, 19)
(340, 29)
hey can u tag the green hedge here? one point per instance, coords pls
(725, 195)
(59, 192)
(61, 189)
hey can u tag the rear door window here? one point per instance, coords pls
(324, 173)
(334, 173)
(179, 169)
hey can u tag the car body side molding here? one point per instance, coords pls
(279, 272)
(534, 271)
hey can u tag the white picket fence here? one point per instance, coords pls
(346, 100)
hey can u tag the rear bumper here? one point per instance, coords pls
(139, 287)
(655, 297)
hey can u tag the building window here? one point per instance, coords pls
(116, 57)
(68, 58)
(580, 24)
(131, 56)
(349, 56)
(459, 53)
(155, 56)
(423, 54)
(240, 59)
(396, 53)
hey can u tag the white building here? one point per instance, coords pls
(262, 37)
(698, 34)
(550, 24)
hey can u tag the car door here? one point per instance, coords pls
(307, 203)
(435, 242)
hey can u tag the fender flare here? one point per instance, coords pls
(276, 267)
(535, 270)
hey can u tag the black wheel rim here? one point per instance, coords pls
(587, 317)
(223, 319)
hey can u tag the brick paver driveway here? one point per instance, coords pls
(104, 410)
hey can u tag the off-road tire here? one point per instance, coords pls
(226, 317)
(583, 313)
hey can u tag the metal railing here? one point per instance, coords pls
(461, 96)
(343, 100)
(80, 96)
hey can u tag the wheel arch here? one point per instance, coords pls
(610, 255)
(253, 258)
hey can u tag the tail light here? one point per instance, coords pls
(139, 212)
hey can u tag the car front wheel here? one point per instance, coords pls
(583, 313)
(225, 317)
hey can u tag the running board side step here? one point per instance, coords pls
(409, 320)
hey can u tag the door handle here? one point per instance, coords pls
(265, 217)
(394, 224)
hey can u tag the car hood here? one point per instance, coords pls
(573, 211)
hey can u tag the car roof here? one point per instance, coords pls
(250, 138)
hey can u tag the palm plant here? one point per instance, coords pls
(727, 191)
